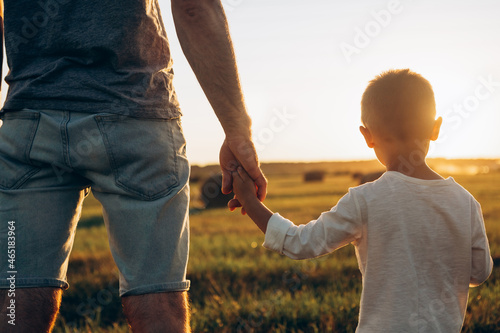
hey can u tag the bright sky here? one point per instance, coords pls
(292, 65)
(305, 63)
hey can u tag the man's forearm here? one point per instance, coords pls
(204, 36)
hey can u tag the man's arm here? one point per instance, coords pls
(204, 37)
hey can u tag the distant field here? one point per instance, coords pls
(237, 286)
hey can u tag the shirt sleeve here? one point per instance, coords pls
(332, 230)
(481, 263)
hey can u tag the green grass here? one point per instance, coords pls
(237, 286)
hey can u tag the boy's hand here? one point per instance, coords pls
(243, 187)
(245, 191)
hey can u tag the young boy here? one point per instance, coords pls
(420, 239)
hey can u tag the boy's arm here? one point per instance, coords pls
(332, 230)
(244, 189)
(258, 212)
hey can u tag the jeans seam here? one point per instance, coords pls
(64, 138)
(33, 129)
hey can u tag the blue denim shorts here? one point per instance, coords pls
(137, 169)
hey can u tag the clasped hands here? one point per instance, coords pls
(241, 173)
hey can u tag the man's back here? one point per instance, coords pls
(422, 244)
(88, 55)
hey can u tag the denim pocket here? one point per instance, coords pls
(143, 153)
(16, 138)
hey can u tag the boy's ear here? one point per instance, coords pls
(436, 128)
(368, 136)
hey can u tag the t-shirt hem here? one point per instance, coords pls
(93, 108)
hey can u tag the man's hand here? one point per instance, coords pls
(240, 151)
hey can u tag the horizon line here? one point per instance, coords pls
(497, 159)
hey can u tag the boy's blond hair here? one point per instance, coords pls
(399, 104)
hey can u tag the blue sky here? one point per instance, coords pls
(305, 63)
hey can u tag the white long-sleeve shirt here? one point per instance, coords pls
(419, 243)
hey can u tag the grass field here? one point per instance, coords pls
(237, 286)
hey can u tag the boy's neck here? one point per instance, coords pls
(421, 171)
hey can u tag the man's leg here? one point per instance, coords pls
(40, 204)
(36, 310)
(145, 199)
(143, 311)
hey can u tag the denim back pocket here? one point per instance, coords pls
(16, 138)
(143, 154)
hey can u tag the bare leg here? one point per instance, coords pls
(158, 312)
(36, 310)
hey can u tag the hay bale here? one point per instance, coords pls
(193, 179)
(211, 194)
(368, 177)
(496, 261)
(339, 173)
(314, 176)
(357, 175)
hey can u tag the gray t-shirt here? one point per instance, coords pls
(89, 56)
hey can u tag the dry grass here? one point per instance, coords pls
(237, 286)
